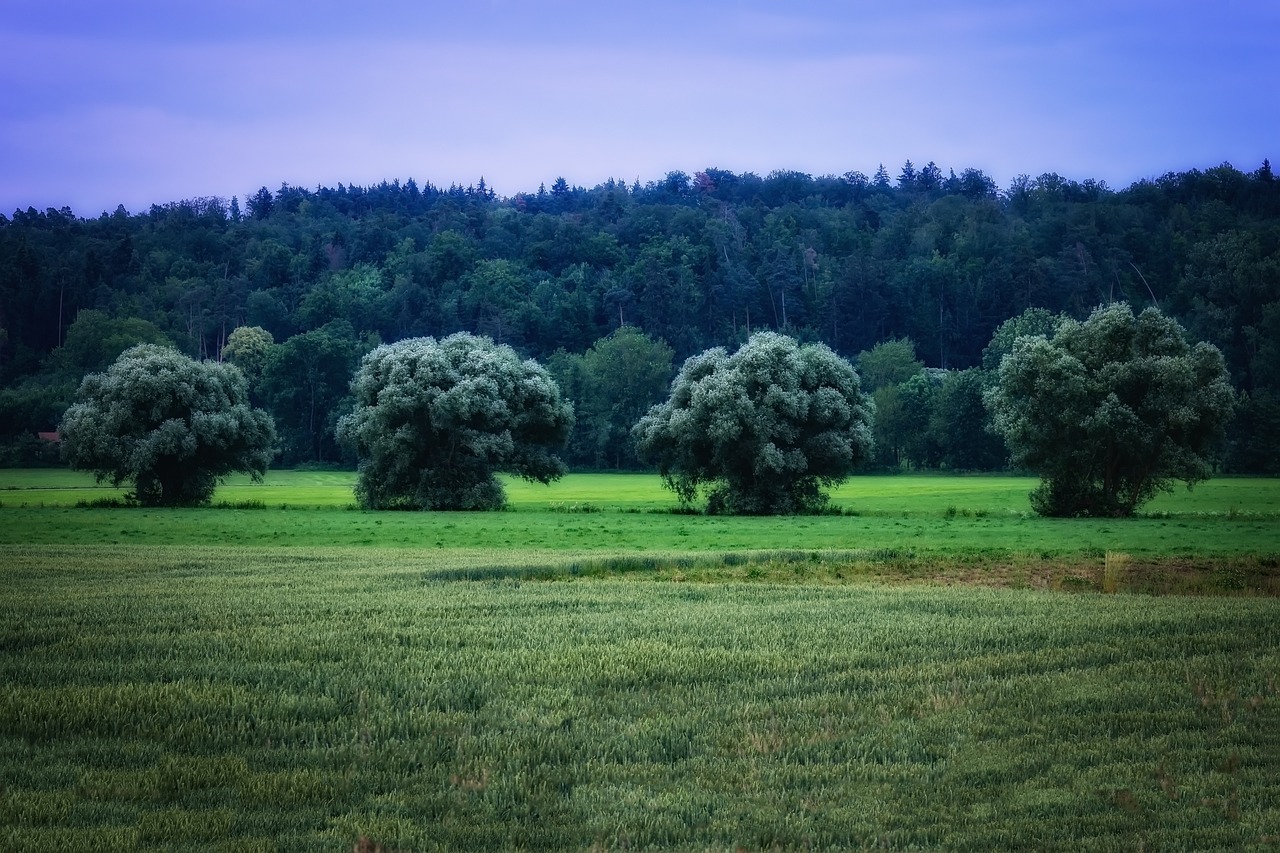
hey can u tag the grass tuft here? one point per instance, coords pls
(1113, 568)
(572, 507)
(125, 502)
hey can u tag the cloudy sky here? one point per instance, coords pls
(137, 102)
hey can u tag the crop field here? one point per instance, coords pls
(932, 669)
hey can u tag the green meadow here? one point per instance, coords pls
(932, 669)
(973, 517)
(864, 495)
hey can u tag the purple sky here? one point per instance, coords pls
(137, 102)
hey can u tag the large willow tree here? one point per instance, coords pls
(169, 424)
(435, 420)
(763, 431)
(1111, 411)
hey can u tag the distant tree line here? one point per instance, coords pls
(613, 287)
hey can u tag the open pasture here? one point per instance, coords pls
(971, 518)
(545, 535)
(590, 671)
(873, 495)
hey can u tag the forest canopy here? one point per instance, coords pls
(932, 258)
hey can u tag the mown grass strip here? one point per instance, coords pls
(640, 532)
(931, 496)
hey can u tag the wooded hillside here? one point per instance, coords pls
(936, 259)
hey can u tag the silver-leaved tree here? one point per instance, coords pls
(170, 425)
(434, 420)
(1110, 411)
(763, 430)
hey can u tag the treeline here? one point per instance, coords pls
(927, 261)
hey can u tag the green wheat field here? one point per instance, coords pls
(933, 668)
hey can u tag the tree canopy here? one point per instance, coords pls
(169, 424)
(1110, 411)
(764, 430)
(306, 380)
(696, 260)
(247, 347)
(434, 420)
(94, 340)
(613, 383)
(888, 363)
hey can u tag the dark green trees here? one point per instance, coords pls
(698, 262)
(95, 340)
(884, 369)
(612, 385)
(1111, 410)
(434, 420)
(170, 425)
(305, 381)
(763, 429)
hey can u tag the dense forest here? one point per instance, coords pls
(612, 287)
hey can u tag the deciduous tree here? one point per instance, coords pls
(95, 340)
(169, 424)
(764, 430)
(305, 381)
(1110, 411)
(247, 347)
(889, 363)
(434, 420)
(624, 374)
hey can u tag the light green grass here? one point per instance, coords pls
(302, 699)
(925, 516)
(618, 532)
(63, 487)
(866, 495)
(929, 494)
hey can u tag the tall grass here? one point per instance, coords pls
(1113, 568)
(184, 699)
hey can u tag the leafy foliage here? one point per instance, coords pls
(1111, 410)
(95, 340)
(958, 423)
(247, 348)
(305, 379)
(433, 420)
(614, 383)
(167, 423)
(696, 260)
(888, 363)
(764, 429)
(1033, 321)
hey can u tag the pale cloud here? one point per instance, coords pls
(1085, 89)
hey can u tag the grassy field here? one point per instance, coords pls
(865, 495)
(969, 518)
(589, 671)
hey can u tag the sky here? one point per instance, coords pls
(141, 102)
